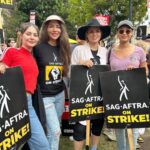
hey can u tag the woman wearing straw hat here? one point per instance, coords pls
(53, 59)
(88, 55)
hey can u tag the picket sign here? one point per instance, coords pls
(130, 139)
(87, 134)
(85, 95)
(134, 93)
(14, 116)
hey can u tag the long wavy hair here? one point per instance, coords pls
(62, 42)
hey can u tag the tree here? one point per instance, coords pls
(21, 13)
(74, 12)
(80, 11)
(12, 21)
(43, 8)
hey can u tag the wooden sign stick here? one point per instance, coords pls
(130, 139)
(87, 134)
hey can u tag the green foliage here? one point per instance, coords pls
(43, 8)
(74, 12)
(12, 21)
(80, 11)
(21, 13)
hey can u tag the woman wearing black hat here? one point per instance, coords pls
(88, 55)
(125, 56)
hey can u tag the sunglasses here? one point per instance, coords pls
(124, 31)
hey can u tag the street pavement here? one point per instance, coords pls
(146, 137)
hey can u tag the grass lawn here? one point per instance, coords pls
(105, 144)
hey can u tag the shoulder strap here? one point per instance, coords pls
(108, 57)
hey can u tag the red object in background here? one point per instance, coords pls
(65, 115)
(67, 126)
(103, 20)
(148, 3)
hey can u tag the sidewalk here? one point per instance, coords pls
(146, 137)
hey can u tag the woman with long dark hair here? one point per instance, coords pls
(53, 59)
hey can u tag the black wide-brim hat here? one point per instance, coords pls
(93, 23)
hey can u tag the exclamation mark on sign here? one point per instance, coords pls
(147, 117)
(28, 127)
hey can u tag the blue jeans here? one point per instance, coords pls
(122, 138)
(38, 140)
(54, 107)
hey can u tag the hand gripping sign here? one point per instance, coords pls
(86, 101)
(126, 101)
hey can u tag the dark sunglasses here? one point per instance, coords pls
(126, 31)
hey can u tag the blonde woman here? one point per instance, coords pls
(124, 56)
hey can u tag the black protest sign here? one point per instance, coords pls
(126, 99)
(8, 4)
(86, 101)
(14, 119)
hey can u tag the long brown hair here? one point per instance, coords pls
(62, 42)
